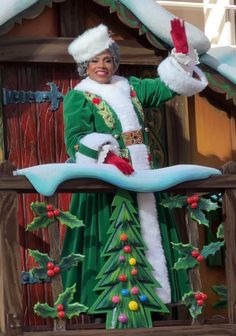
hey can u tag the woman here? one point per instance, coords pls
(104, 123)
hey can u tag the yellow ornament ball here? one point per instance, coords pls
(132, 261)
(133, 305)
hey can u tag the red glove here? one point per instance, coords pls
(178, 35)
(122, 164)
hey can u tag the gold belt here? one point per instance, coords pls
(133, 137)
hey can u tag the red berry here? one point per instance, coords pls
(50, 265)
(60, 307)
(50, 214)
(50, 273)
(195, 253)
(200, 302)
(134, 271)
(122, 277)
(127, 249)
(49, 207)
(196, 198)
(198, 296)
(200, 257)
(204, 296)
(61, 314)
(194, 205)
(190, 200)
(133, 93)
(96, 100)
(56, 212)
(123, 237)
(57, 269)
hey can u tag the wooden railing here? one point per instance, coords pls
(10, 288)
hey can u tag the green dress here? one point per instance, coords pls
(87, 113)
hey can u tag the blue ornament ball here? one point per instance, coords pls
(143, 298)
(125, 292)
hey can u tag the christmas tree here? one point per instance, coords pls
(126, 281)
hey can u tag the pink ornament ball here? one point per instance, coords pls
(122, 258)
(123, 318)
(115, 299)
(134, 290)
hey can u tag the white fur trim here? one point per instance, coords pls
(178, 80)
(117, 96)
(91, 43)
(94, 141)
(152, 237)
(139, 157)
(191, 58)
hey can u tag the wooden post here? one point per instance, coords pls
(55, 252)
(10, 287)
(229, 218)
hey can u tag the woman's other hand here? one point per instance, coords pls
(121, 163)
(179, 37)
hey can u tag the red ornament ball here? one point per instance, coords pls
(127, 249)
(123, 237)
(123, 278)
(134, 271)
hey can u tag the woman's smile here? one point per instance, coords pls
(101, 68)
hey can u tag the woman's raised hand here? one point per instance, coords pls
(179, 37)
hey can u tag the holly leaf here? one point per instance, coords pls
(198, 216)
(212, 248)
(44, 310)
(220, 290)
(220, 231)
(70, 261)
(183, 249)
(39, 257)
(176, 201)
(39, 222)
(39, 208)
(69, 220)
(40, 273)
(75, 309)
(207, 205)
(189, 300)
(67, 296)
(185, 263)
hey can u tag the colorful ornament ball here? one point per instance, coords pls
(125, 292)
(123, 318)
(116, 299)
(133, 305)
(132, 261)
(122, 258)
(143, 298)
(134, 290)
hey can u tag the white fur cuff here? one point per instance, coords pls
(180, 81)
(95, 141)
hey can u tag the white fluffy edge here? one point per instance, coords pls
(92, 42)
(152, 237)
(95, 141)
(179, 80)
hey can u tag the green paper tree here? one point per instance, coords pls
(128, 286)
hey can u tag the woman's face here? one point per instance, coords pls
(101, 67)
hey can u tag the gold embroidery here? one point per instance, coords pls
(136, 102)
(103, 109)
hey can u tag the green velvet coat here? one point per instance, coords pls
(84, 115)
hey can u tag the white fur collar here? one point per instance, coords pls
(117, 95)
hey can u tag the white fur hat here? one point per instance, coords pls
(92, 42)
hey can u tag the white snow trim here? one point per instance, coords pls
(95, 141)
(91, 43)
(117, 96)
(139, 157)
(178, 80)
(150, 231)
